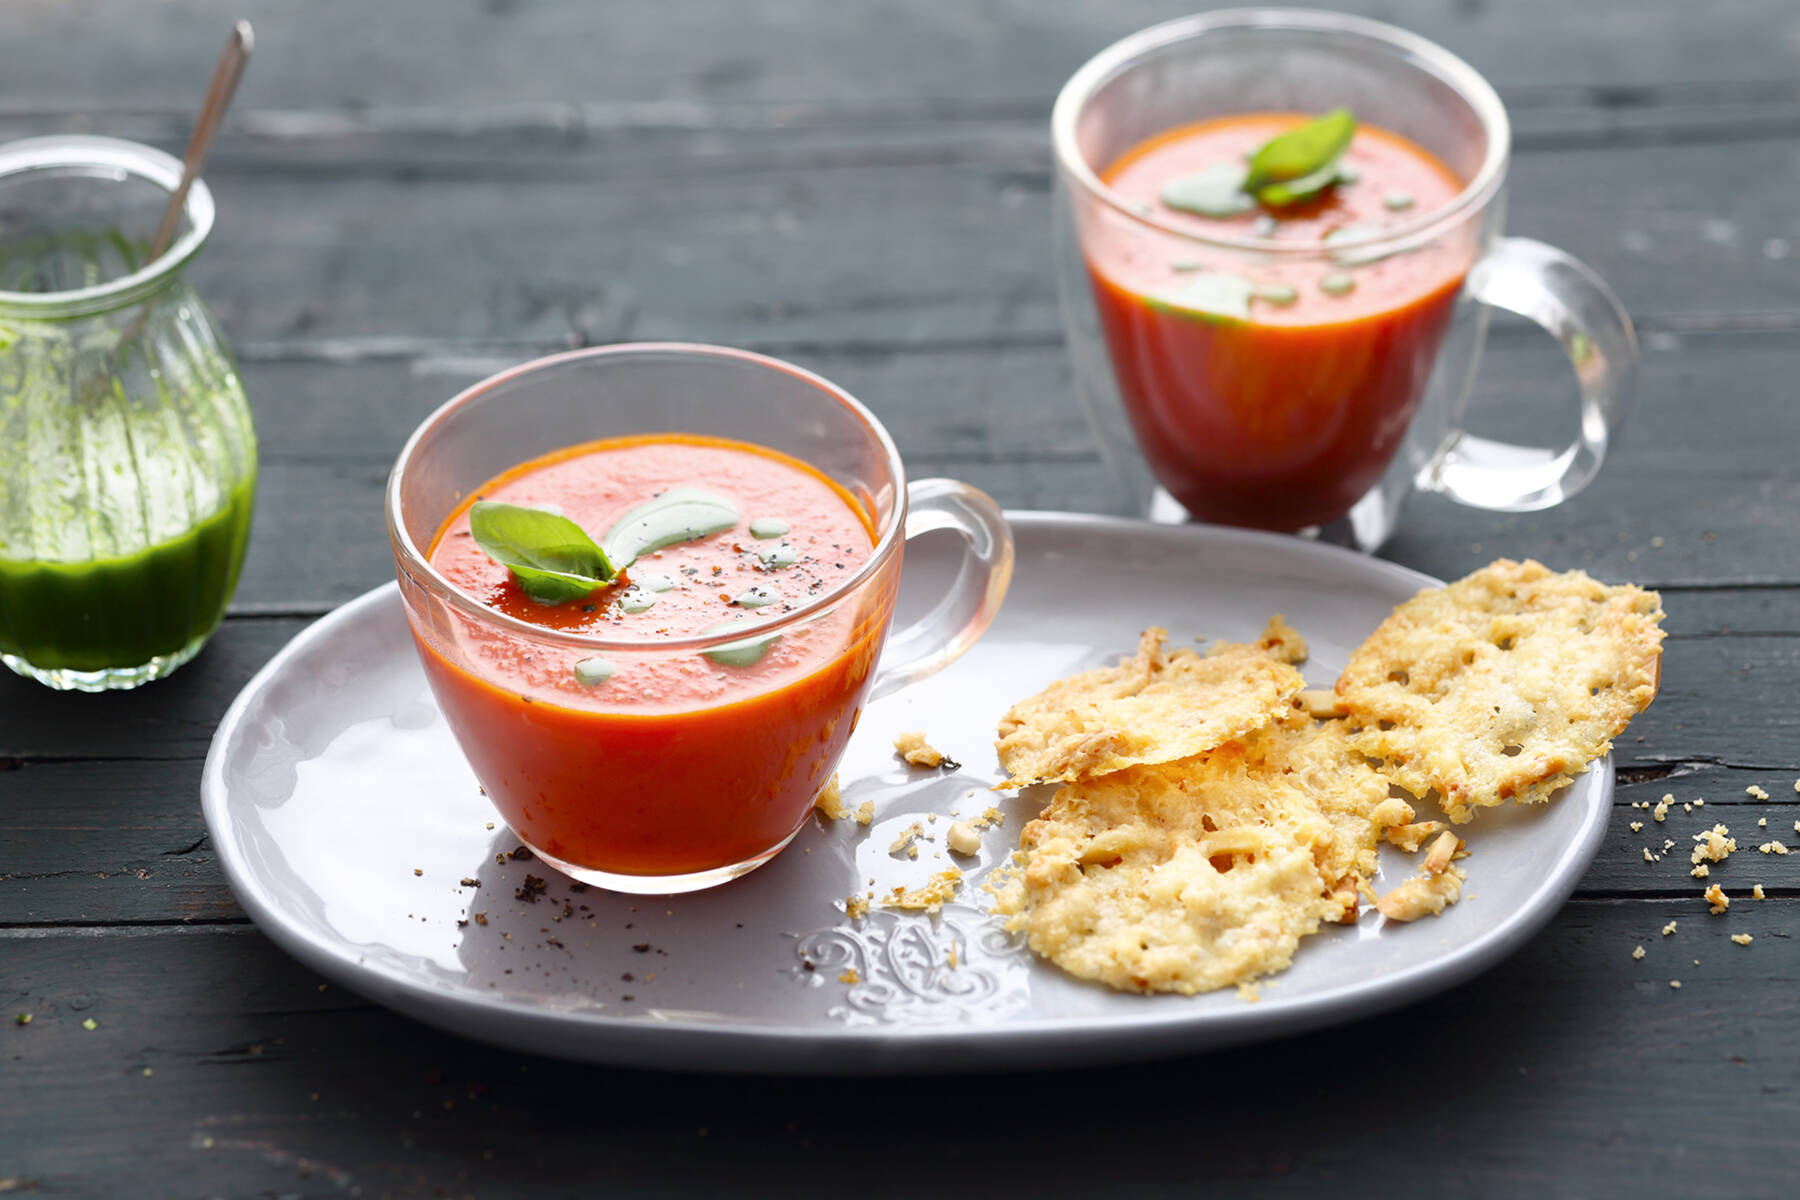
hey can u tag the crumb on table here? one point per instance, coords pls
(1713, 845)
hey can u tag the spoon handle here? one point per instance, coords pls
(212, 114)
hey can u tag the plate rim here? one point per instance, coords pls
(881, 1049)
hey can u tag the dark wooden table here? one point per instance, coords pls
(414, 194)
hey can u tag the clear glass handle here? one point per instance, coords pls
(1576, 308)
(937, 639)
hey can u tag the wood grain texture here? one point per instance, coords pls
(474, 53)
(764, 242)
(122, 843)
(1728, 664)
(1683, 501)
(263, 1079)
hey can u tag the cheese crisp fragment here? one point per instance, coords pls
(1156, 706)
(830, 800)
(1192, 875)
(912, 746)
(1435, 888)
(1504, 684)
(1281, 640)
(930, 896)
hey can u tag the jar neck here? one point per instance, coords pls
(89, 205)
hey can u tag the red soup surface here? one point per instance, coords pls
(677, 762)
(1283, 419)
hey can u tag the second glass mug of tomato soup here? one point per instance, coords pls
(1305, 366)
(669, 728)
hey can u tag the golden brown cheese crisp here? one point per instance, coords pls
(1504, 684)
(932, 895)
(912, 746)
(1437, 885)
(1283, 641)
(1189, 876)
(830, 800)
(1156, 706)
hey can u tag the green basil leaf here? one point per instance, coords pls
(551, 557)
(680, 514)
(554, 587)
(1280, 195)
(1301, 152)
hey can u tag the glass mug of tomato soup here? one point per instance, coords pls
(1278, 246)
(667, 726)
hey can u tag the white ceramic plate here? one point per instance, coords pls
(346, 820)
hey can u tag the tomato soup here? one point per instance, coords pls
(1282, 407)
(651, 761)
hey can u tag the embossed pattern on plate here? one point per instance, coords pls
(356, 838)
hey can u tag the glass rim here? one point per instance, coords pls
(418, 567)
(1468, 83)
(118, 158)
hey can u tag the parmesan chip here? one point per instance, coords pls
(1157, 706)
(1504, 684)
(1193, 875)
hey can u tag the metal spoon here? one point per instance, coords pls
(212, 114)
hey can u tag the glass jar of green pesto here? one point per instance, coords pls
(127, 455)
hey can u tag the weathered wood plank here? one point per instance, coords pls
(1005, 401)
(118, 841)
(884, 234)
(927, 246)
(1727, 667)
(1005, 419)
(121, 841)
(1620, 868)
(262, 1080)
(173, 719)
(577, 141)
(413, 191)
(105, 53)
